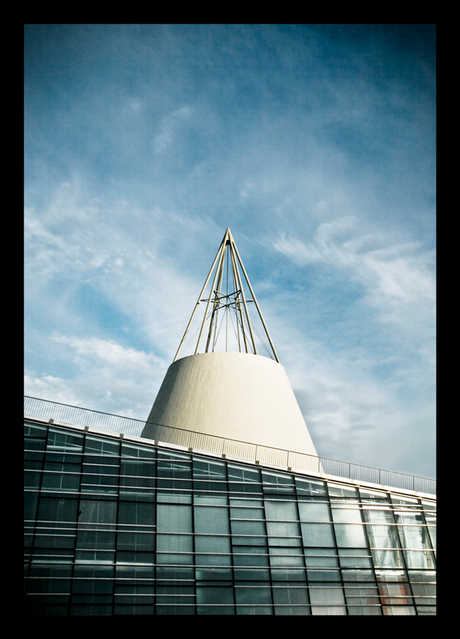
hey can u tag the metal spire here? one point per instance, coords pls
(227, 302)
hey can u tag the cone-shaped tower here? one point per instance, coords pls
(231, 392)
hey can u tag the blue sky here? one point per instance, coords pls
(315, 144)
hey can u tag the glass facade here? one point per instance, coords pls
(114, 526)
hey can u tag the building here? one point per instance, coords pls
(207, 513)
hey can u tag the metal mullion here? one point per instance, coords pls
(255, 302)
(199, 301)
(217, 304)
(221, 257)
(240, 284)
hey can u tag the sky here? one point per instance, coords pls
(314, 144)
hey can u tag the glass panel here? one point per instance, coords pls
(378, 515)
(101, 446)
(283, 533)
(35, 430)
(210, 499)
(373, 496)
(138, 467)
(248, 527)
(250, 556)
(342, 492)
(277, 483)
(398, 610)
(61, 481)
(213, 520)
(419, 559)
(291, 600)
(281, 510)
(174, 466)
(286, 557)
(354, 558)
(357, 575)
(317, 534)
(135, 541)
(97, 511)
(215, 600)
(174, 573)
(134, 572)
(206, 469)
(324, 575)
(247, 512)
(174, 518)
(321, 557)
(387, 558)
(243, 479)
(311, 511)
(175, 594)
(291, 567)
(310, 488)
(362, 593)
(382, 536)
(350, 535)
(213, 545)
(414, 537)
(30, 505)
(328, 600)
(213, 574)
(135, 450)
(349, 515)
(140, 513)
(58, 509)
(96, 539)
(32, 479)
(252, 595)
(251, 574)
(60, 440)
(175, 543)
(93, 579)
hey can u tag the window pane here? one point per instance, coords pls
(213, 520)
(175, 543)
(312, 488)
(382, 536)
(97, 511)
(58, 509)
(212, 544)
(244, 479)
(142, 513)
(321, 557)
(311, 511)
(277, 483)
(250, 556)
(248, 527)
(317, 534)
(60, 440)
(281, 510)
(351, 515)
(174, 518)
(340, 491)
(291, 601)
(101, 446)
(350, 535)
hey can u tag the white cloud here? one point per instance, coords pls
(398, 275)
(107, 376)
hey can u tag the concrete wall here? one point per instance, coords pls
(233, 395)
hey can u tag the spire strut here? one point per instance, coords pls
(227, 301)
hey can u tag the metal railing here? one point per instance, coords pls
(230, 448)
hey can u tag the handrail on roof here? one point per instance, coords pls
(76, 415)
